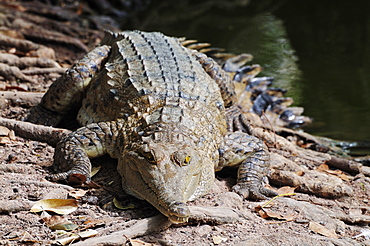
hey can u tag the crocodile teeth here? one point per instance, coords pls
(177, 220)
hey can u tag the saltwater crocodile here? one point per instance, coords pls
(166, 112)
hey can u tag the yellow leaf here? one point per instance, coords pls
(59, 206)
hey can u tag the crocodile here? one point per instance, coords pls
(168, 113)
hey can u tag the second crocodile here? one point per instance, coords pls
(166, 112)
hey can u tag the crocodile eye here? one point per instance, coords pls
(187, 159)
(181, 159)
(148, 156)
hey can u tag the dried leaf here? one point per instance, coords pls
(274, 215)
(290, 217)
(119, 205)
(44, 215)
(322, 230)
(286, 190)
(57, 222)
(268, 203)
(261, 212)
(92, 223)
(59, 206)
(339, 173)
(74, 237)
(77, 193)
(27, 238)
(322, 167)
(95, 170)
(265, 214)
(137, 242)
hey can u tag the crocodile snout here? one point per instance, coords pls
(178, 212)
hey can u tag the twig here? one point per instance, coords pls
(47, 134)
(13, 73)
(19, 44)
(160, 222)
(345, 165)
(22, 98)
(44, 70)
(141, 228)
(23, 62)
(52, 36)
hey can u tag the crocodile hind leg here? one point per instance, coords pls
(235, 120)
(71, 157)
(66, 92)
(252, 156)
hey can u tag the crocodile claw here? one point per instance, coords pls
(253, 192)
(236, 121)
(69, 178)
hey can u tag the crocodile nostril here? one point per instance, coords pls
(179, 209)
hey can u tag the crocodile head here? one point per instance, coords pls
(167, 176)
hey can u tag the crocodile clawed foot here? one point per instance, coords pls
(236, 121)
(69, 177)
(253, 192)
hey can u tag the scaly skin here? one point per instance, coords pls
(167, 113)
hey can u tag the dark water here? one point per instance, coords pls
(332, 41)
(318, 50)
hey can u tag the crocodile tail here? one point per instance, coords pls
(255, 94)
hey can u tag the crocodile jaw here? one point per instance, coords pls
(166, 185)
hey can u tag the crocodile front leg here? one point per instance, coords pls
(252, 156)
(71, 157)
(66, 92)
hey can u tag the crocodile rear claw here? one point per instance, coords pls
(69, 177)
(247, 191)
(236, 121)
